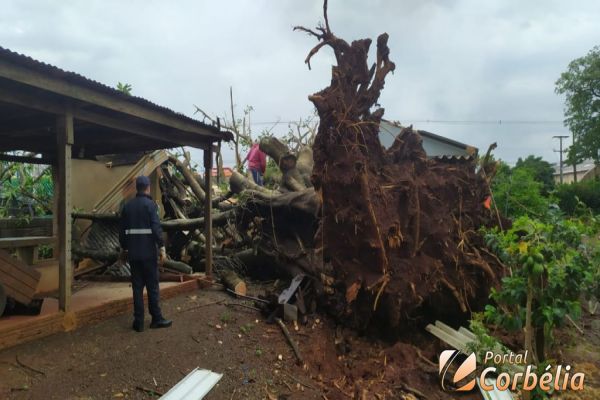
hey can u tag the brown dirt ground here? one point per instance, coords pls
(109, 361)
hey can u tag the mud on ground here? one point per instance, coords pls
(109, 361)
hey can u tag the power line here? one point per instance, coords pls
(448, 122)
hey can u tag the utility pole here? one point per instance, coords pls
(561, 151)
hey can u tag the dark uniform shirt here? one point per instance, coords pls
(140, 233)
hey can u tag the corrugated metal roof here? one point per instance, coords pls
(452, 158)
(75, 78)
(436, 147)
(586, 165)
(431, 135)
(194, 386)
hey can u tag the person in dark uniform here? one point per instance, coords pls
(142, 245)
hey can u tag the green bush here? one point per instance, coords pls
(517, 193)
(553, 264)
(586, 192)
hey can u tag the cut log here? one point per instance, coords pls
(178, 266)
(232, 281)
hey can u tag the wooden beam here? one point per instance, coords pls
(140, 129)
(30, 123)
(125, 124)
(27, 160)
(27, 241)
(208, 155)
(32, 101)
(65, 137)
(35, 145)
(114, 102)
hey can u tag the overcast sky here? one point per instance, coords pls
(464, 64)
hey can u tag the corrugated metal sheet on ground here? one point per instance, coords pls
(194, 386)
(103, 235)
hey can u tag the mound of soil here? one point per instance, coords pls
(399, 230)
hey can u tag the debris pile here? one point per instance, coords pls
(384, 241)
(385, 236)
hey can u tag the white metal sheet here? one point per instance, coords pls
(194, 386)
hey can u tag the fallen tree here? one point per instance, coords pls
(399, 230)
(389, 235)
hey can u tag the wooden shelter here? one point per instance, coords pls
(62, 115)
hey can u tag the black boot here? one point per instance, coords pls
(161, 323)
(138, 326)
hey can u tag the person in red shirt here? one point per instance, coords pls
(257, 163)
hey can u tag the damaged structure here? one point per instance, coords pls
(382, 238)
(57, 116)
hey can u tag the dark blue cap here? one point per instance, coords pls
(142, 182)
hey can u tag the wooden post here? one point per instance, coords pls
(65, 138)
(208, 256)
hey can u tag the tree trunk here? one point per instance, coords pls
(178, 266)
(232, 281)
(218, 219)
(287, 162)
(189, 178)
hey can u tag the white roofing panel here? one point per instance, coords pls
(194, 386)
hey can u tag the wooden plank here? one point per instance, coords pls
(14, 223)
(12, 242)
(208, 155)
(28, 331)
(116, 103)
(25, 272)
(65, 136)
(16, 289)
(15, 227)
(28, 160)
(14, 273)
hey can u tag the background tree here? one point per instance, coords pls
(26, 190)
(518, 193)
(242, 139)
(125, 88)
(542, 171)
(581, 86)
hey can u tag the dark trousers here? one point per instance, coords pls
(257, 176)
(145, 273)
